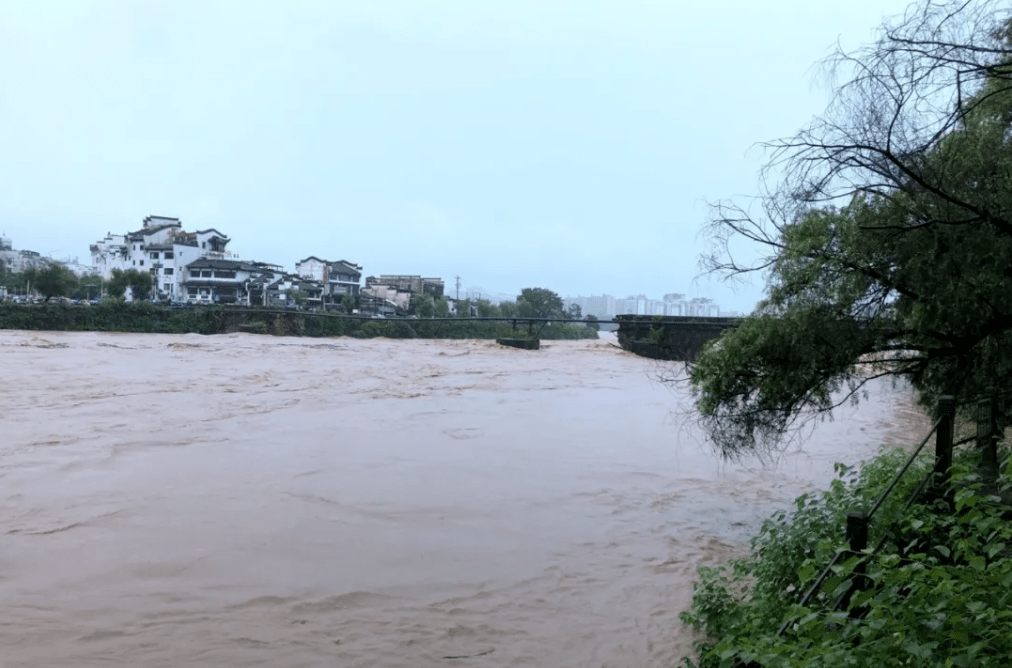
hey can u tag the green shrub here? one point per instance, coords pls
(941, 592)
(116, 315)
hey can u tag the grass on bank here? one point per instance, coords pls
(118, 316)
(942, 586)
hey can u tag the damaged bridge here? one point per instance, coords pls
(677, 338)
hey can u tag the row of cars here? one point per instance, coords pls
(21, 299)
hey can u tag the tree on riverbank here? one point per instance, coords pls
(52, 281)
(139, 282)
(885, 235)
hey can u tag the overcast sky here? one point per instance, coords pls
(566, 144)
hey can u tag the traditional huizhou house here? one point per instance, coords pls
(263, 286)
(160, 247)
(336, 278)
(213, 281)
(292, 290)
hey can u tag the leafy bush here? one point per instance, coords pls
(940, 592)
(116, 315)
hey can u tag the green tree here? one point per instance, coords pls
(886, 240)
(509, 309)
(442, 308)
(423, 306)
(89, 287)
(117, 284)
(574, 312)
(592, 322)
(54, 281)
(297, 295)
(487, 309)
(542, 303)
(139, 282)
(349, 303)
(141, 285)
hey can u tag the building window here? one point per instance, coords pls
(193, 292)
(207, 273)
(142, 263)
(154, 255)
(203, 244)
(167, 271)
(168, 287)
(167, 255)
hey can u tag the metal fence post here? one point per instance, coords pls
(943, 447)
(857, 538)
(987, 432)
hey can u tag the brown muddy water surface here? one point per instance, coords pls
(242, 500)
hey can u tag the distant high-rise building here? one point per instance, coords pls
(607, 307)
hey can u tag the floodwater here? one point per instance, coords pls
(241, 500)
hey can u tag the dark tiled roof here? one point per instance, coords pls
(170, 219)
(209, 263)
(211, 229)
(147, 231)
(205, 283)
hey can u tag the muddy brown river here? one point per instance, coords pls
(241, 500)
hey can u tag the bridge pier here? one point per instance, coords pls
(676, 338)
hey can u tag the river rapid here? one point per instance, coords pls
(242, 500)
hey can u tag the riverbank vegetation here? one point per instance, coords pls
(114, 315)
(940, 595)
(884, 231)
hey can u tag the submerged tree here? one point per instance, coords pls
(887, 235)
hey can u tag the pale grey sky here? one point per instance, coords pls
(566, 144)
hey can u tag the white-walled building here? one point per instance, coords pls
(210, 280)
(162, 248)
(337, 278)
(400, 299)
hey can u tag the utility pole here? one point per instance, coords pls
(458, 288)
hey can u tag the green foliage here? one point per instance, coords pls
(423, 306)
(540, 303)
(297, 295)
(592, 322)
(889, 239)
(116, 315)
(112, 315)
(139, 282)
(53, 281)
(487, 309)
(941, 592)
(509, 310)
(89, 287)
